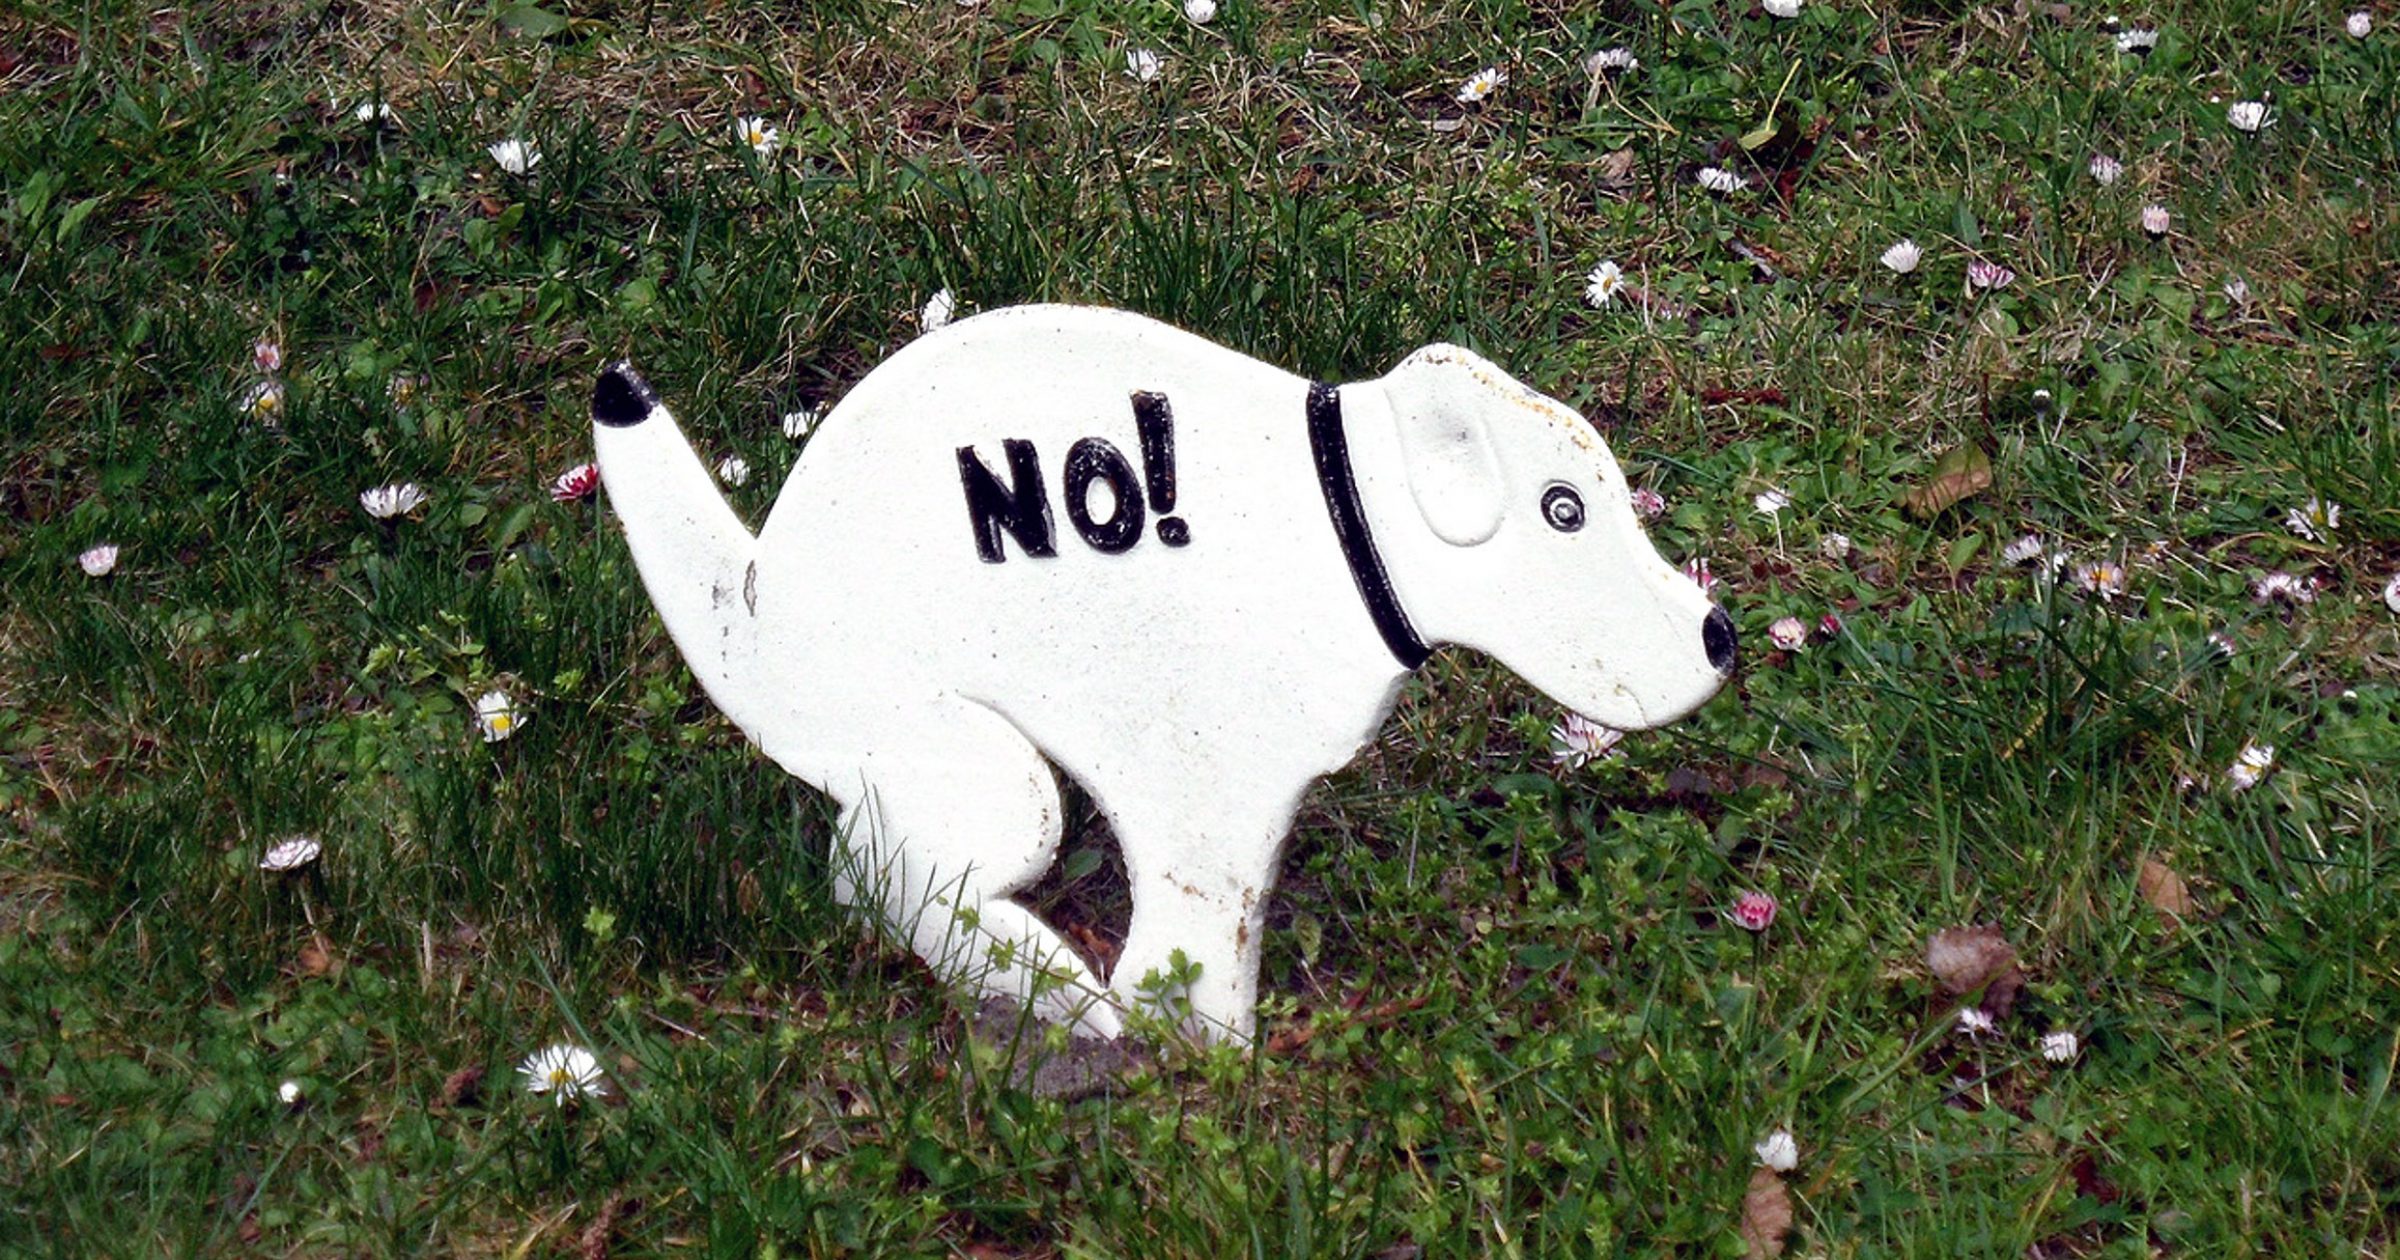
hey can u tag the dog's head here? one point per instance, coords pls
(1527, 547)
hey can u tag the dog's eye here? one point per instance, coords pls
(1563, 508)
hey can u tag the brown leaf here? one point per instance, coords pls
(464, 1087)
(594, 1242)
(2163, 888)
(1766, 1214)
(316, 958)
(1964, 471)
(1964, 959)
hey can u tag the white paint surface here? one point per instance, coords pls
(1195, 691)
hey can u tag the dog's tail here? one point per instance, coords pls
(698, 560)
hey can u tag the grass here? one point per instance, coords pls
(1506, 1013)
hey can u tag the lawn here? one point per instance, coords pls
(2032, 876)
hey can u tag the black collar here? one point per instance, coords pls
(1331, 448)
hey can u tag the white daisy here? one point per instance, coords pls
(2025, 550)
(1579, 741)
(2391, 593)
(288, 1093)
(2283, 588)
(798, 424)
(1834, 546)
(2250, 766)
(1788, 633)
(290, 854)
(1144, 64)
(2360, 24)
(1603, 284)
(2106, 169)
(517, 157)
(1781, 8)
(2222, 644)
(565, 1072)
(1989, 275)
(402, 389)
(263, 400)
(1717, 179)
(2314, 520)
(762, 139)
(1903, 257)
(398, 499)
(1778, 1151)
(2156, 221)
(2137, 40)
(733, 470)
(2247, 116)
(1770, 501)
(1200, 12)
(1975, 1022)
(98, 561)
(1481, 84)
(2102, 578)
(2060, 1046)
(496, 716)
(938, 310)
(1611, 61)
(2237, 291)
(372, 111)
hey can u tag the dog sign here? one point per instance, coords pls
(1056, 536)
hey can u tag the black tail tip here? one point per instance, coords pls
(622, 397)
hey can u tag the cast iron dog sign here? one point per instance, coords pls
(1248, 568)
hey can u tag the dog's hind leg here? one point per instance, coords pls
(1200, 879)
(954, 811)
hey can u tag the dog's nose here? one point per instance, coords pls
(1716, 634)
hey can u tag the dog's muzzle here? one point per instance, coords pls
(1716, 634)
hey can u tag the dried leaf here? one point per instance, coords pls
(1964, 471)
(463, 1087)
(316, 958)
(2163, 888)
(1964, 959)
(594, 1243)
(1766, 1214)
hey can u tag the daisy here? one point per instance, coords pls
(1834, 546)
(372, 112)
(1200, 12)
(1778, 1151)
(1753, 911)
(2106, 169)
(2360, 24)
(266, 355)
(402, 389)
(398, 499)
(496, 716)
(2221, 645)
(1481, 84)
(98, 561)
(2282, 588)
(1697, 571)
(1579, 741)
(1974, 1022)
(1903, 257)
(762, 139)
(733, 470)
(565, 1072)
(1611, 61)
(1788, 633)
(1989, 275)
(262, 401)
(2237, 291)
(1717, 179)
(1144, 64)
(290, 854)
(288, 1093)
(2025, 550)
(575, 483)
(1649, 504)
(2104, 578)
(2060, 1046)
(2247, 116)
(2250, 766)
(517, 157)
(2314, 520)
(1770, 501)
(1781, 8)
(2137, 40)
(1604, 283)
(938, 310)
(798, 424)
(2391, 593)
(2156, 221)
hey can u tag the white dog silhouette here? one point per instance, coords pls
(1056, 535)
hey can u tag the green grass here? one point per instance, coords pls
(1508, 1016)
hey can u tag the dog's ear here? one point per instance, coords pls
(1437, 404)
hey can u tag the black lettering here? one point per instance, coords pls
(1022, 508)
(1156, 421)
(1093, 459)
